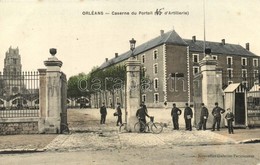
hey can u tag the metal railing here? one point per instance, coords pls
(19, 94)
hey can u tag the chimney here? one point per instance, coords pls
(106, 59)
(194, 38)
(116, 55)
(223, 41)
(162, 32)
(247, 46)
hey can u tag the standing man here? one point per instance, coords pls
(216, 112)
(188, 114)
(203, 117)
(141, 113)
(103, 112)
(175, 116)
(230, 118)
(119, 115)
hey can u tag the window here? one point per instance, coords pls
(255, 62)
(155, 68)
(244, 61)
(229, 72)
(155, 54)
(195, 58)
(144, 72)
(143, 58)
(195, 70)
(156, 84)
(255, 73)
(215, 57)
(229, 61)
(14, 61)
(244, 73)
(144, 97)
(156, 97)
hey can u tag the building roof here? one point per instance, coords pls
(218, 48)
(170, 37)
(231, 87)
(173, 38)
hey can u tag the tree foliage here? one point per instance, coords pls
(108, 79)
(77, 86)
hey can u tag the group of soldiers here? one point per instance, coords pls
(188, 114)
(176, 112)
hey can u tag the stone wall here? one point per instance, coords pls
(18, 128)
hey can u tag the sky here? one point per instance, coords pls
(84, 41)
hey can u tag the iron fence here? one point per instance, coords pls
(19, 94)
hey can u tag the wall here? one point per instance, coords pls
(19, 126)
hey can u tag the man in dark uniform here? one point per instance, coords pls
(188, 114)
(230, 118)
(103, 112)
(216, 112)
(141, 113)
(119, 114)
(203, 117)
(175, 116)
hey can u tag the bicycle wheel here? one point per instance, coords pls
(157, 128)
(140, 126)
(65, 129)
(122, 128)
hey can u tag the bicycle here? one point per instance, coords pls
(156, 127)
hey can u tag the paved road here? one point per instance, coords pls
(217, 154)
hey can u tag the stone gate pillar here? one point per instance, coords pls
(132, 91)
(50, 95)
(211, 82)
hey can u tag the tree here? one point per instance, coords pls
(78, 86)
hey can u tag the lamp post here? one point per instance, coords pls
(132, 47)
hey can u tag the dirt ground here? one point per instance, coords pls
(87, 119)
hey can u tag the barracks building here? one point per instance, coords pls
(170, 63)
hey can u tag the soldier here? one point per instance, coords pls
(119, 114)
(103, 112)
(175, 116)
(230, 118)
(188, 114)
(203, 117)
(216, 112)
(141, 113)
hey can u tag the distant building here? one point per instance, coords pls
(12, 61)
(170, 63)
(13, 81)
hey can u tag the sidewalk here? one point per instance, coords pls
(107, 138)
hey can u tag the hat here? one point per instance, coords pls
(216, 103)
(202, 104)
(174, 104)
(186, 104)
